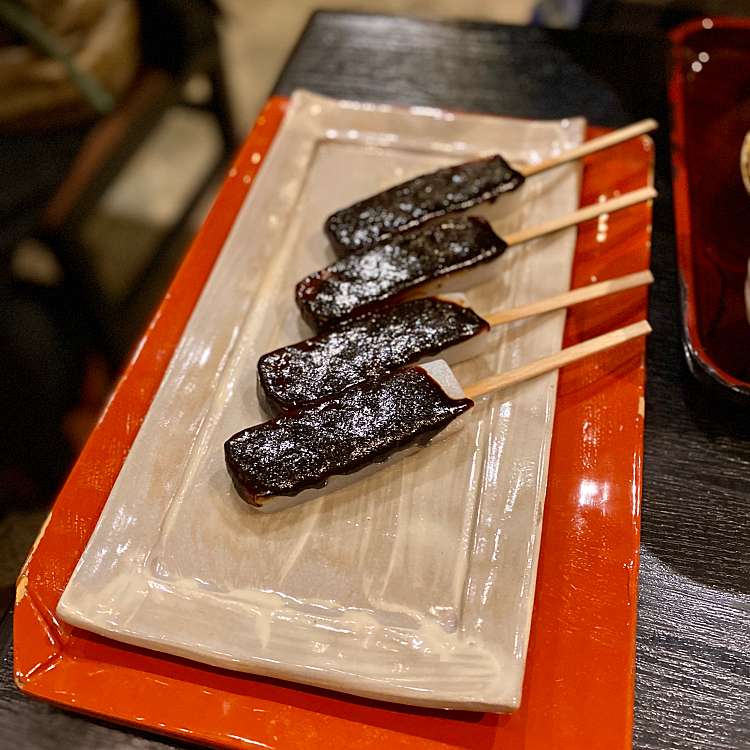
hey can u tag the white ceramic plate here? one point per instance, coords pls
(415, 585)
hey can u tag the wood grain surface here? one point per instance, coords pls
(693, 659)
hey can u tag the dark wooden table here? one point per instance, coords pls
(693, 659)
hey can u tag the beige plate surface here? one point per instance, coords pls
(415, 585)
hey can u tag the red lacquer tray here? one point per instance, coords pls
(578, 690)
(710, 98)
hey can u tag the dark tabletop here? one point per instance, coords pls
(693, 659)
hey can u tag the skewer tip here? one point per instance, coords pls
(646, 193)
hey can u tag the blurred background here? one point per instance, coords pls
(117, 122)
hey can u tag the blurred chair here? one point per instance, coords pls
(52, 334)
(178, 40)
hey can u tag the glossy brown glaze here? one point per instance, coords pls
(419, 200)
(394, 268)
(361, 426)
(362, 348)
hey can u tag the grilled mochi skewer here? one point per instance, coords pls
(300, 456)
(391, 336)
(447, 256)
(448, 190)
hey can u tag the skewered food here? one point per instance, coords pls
(391, 336)
(419, 200)
(295, 456)
(298, 456)
(445, 256)
(365, 347)
(395, 268)
(450, 189)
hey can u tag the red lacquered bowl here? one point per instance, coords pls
(710, 99)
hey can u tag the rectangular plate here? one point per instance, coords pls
(415, 585)
(578, 686)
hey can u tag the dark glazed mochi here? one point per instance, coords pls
(360, 349)
(393, 269)
(417, 201)
(362, 426)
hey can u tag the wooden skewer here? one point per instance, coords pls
(583, 214)
(554, 361)
(591, 147)
(571, 298)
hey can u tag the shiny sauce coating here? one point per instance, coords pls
(419, 200)
(361, 426)
(390, 270)
(362, 348)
